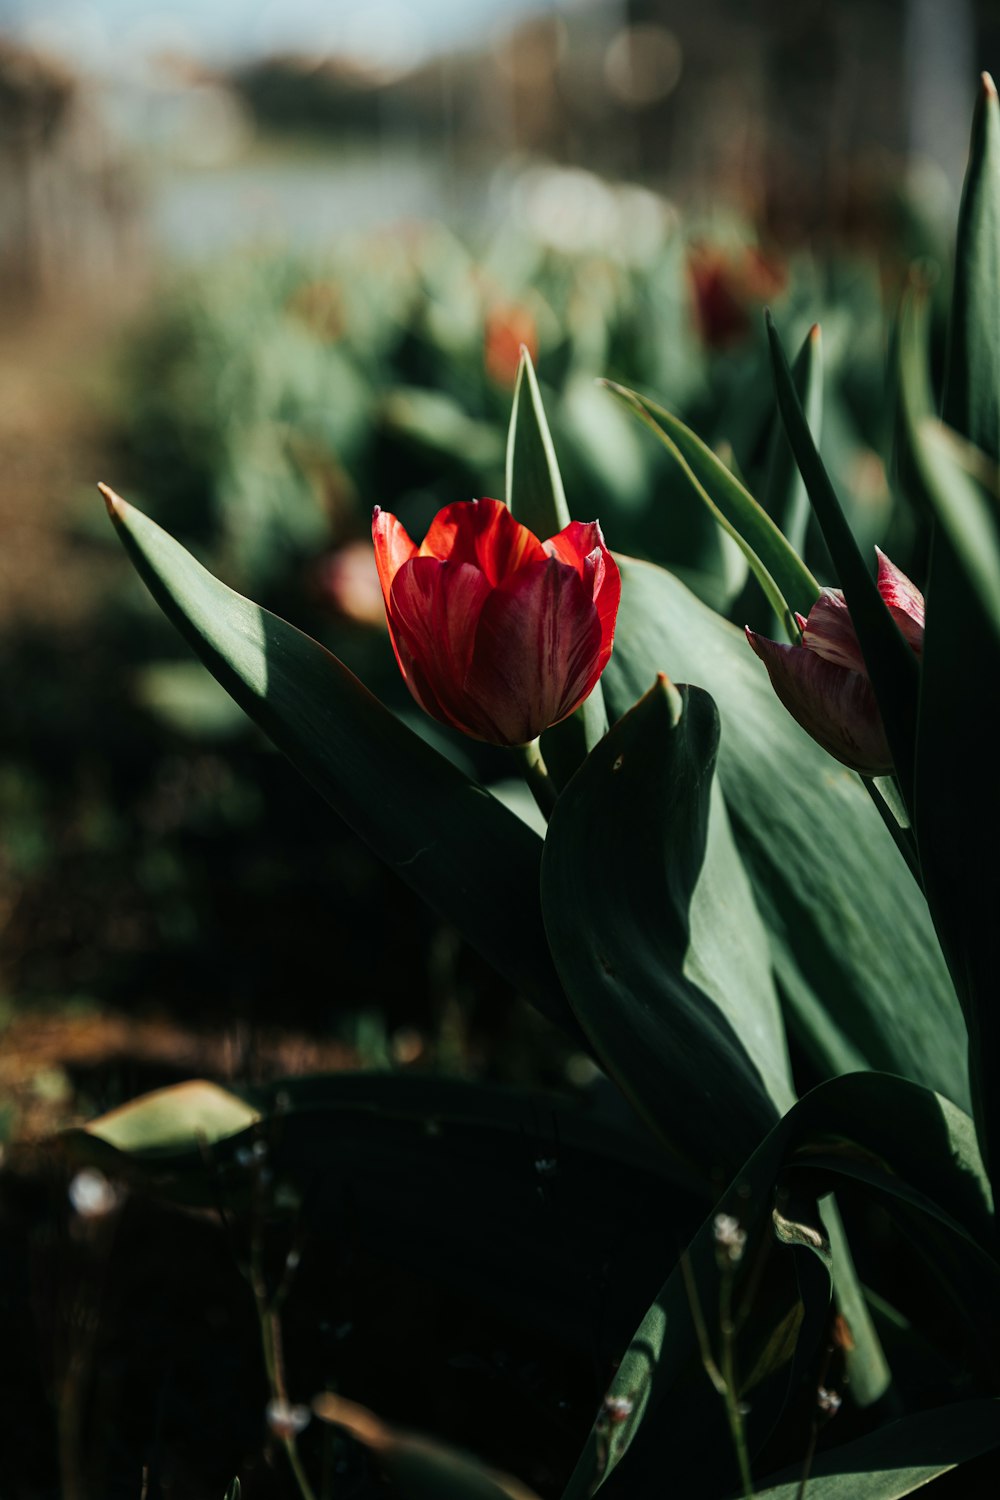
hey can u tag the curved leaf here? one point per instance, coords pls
(785, 498)
(656, 937)
(897, 1459)
(536, 496)
(186, 1116)
(891, 664)
(957, 833)
(471, 859)
(972, 374)
(852, 942)
(784, 577)
(859, 1115)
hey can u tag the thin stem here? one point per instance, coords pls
(724, 1379)
(535, 773)
(734, 1410)
(270, 1338)
(807, 1462)
(902, 835)
(810, 1452)
(701, 1331)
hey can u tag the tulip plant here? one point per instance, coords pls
(775, 941)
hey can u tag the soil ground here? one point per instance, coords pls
(57, 438)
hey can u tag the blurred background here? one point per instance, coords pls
(264, 265)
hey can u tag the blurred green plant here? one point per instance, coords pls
(719, 916)
(752, 1003)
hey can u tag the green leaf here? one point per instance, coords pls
(855, 1119)
(897, 1459)
(656, 938)
(785, 498)
(824, 871)
(867, 1369)
(534, 486)
(957, 812)
(185, 1117)
(536, 497)
(472, 860)
(960, 486)
(784, 577)
(972, 379)
(891, 664)
(233, 1492)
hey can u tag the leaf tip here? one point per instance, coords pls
(989, 87)
(116, 505)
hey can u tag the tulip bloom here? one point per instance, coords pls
(823, 681)
(496, 633)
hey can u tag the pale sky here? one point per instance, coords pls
(101, 34)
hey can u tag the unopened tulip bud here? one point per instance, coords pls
(823, 681)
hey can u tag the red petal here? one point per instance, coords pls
(392, 548)
(433, 610)
(829, 632)
(607, 602)
(484, 533)
(582, 544)
(834, 705)
(576, 544)
(904, 599)
(537, 653)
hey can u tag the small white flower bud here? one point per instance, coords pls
(91, 1195)
(285, 1420)
(730, 1237)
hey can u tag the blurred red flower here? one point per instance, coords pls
(728, 287)
(507, 328)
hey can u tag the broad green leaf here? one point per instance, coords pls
(891, 664)
(854, 1119)
(972, 376)
(784, 577)
(185, 1117)
(897, 1459)
(420, 1468)
(472, 860)
(656, 937)
(957, 811)
(851, 938)
(536, 497)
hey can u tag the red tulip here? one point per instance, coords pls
(496, 633)
(823, 682)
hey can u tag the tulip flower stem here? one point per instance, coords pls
(902, 833)
(536, 774)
